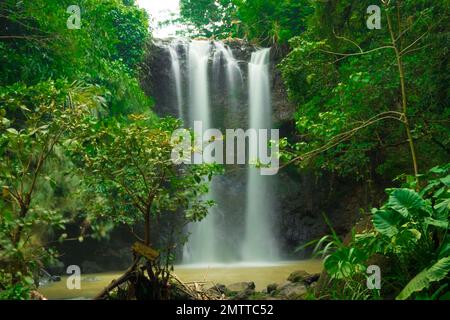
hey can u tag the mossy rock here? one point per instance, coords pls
(299, 276)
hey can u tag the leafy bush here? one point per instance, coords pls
(34, 122)
(410, 232)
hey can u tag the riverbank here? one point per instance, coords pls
(261, 274)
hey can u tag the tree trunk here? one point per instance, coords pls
(401, 72)
(147, 226)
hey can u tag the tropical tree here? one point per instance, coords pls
(361, 92)
(130, 179)
(44, 116)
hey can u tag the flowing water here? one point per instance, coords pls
(262, 275)
(202, 243)
(176, 70)
(212, 67)
(259, 243)
(233, 73)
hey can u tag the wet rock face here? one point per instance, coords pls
(157, 81)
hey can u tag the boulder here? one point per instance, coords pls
(312, 279)
(299, 276)
(221, 288)
(244, 295)
(272, 287)
(241, 290)
(292, 291)
(241, 286)
(216, 291)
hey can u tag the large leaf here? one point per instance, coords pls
(437, 223)
(442, 209)
(445, 248)
(423, 280)
(386, 222)
(406, 202)
(345, 263)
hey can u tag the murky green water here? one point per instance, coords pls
(262, 275)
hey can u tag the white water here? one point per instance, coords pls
(176, 69)
(259, 243)
(233, 71)
(199, 52)
(202, 241)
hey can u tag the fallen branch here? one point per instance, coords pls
(115, 283)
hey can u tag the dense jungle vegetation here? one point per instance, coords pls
(80, 144)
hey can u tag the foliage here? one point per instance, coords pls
(52, 77)
(410, 231)
(130, 179)
(272, 21)
(43, 116)
(128, 165)
(346, 83)
(107, 50)
(17, 291)
(262, 21)
(208, 18)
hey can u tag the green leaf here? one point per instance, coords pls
(406, 202)
(386, 222)
(446, 180)
(437, 223)
(12, 131)
(24, 108)
(443, 208)
(423, 280)
(345, 263)
(445, 248)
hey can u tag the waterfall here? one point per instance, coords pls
(214, 82)
(201, 247)
(259, 243)
(199, 53)
(176, 70)
(234, 79)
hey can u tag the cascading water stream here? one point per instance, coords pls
(201, 247)
(205, 244)
(234, 78)
(259, 243)
(176, 70)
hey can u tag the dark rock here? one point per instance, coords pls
(244, 295)
(312, 279)
(292, 291)
(217, 291)
(299, 276)
(178, 293)
(240, 286)
(272, 287)
(241, 290)
(221, 288)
